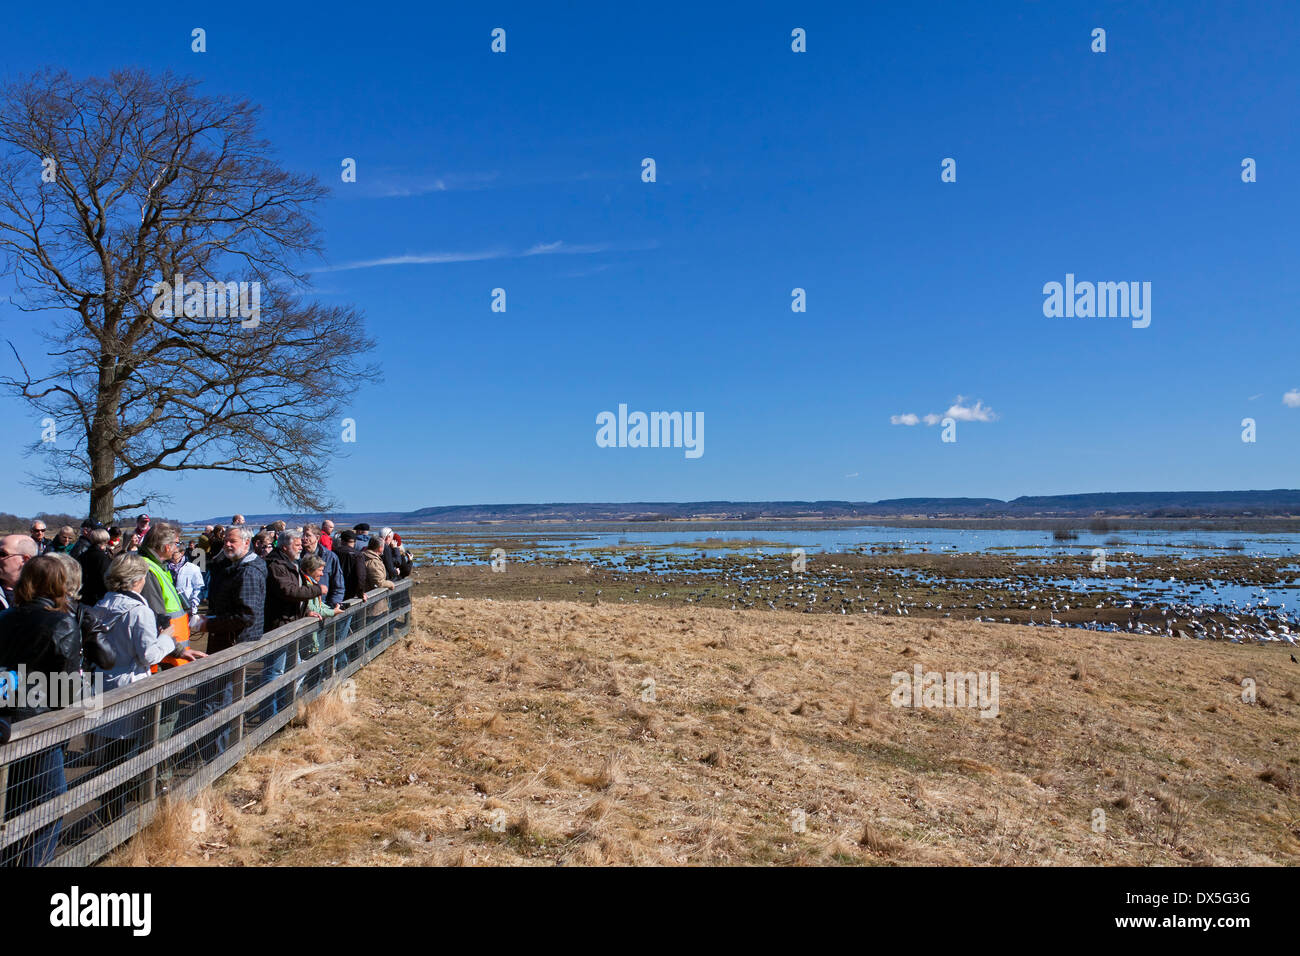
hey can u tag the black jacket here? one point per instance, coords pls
(219, 564)
(397, 562)
(350, 563)
(94, 565)
(286, 595)
(43, 640)
(392, 562)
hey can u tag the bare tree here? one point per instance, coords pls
(109, 187)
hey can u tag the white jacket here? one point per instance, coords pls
(189, 584)
(134, 637)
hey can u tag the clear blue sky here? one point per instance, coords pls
(775, 170)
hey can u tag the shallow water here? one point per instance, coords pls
(667, 550)
(556, 542)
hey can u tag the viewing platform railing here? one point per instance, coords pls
(174, 733)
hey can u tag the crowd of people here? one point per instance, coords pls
(126, 606)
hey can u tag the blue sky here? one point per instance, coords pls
(775, 170)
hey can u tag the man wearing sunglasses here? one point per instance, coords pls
(15, 551)
(38, 535)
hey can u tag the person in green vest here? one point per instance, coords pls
(160, 594)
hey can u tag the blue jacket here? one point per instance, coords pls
(333, 575)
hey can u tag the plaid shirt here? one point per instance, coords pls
(236, 602)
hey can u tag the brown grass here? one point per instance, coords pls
(521, 733)
(181, 833)
(878, 842)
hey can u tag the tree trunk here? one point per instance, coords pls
(101, 473)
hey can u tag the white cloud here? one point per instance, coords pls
(559, 247)
(422, 258)
(415, 189)
(542, 248)
(1292, 398)
(562, 248)
(854, 475)
(979, 412)
(390, 184)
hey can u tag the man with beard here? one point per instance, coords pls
(236, 615)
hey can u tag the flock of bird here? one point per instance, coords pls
(1181, 616)
(1194, 611)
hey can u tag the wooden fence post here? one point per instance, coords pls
(151, 740)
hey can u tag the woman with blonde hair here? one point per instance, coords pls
(132, 632)
(133, 627)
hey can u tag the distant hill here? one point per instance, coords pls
(1140, 504)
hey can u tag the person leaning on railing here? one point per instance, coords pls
(376, 574)
(236, 615)
(313, 573)
(390, 554)
(160, 592)
(286, 601)
(332, 574)
(405, 563)
(312, 569)
(236, 594)
(286, 592)
(40, 635)
(130, 628)
(352, 565)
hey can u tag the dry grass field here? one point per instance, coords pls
(522, 733)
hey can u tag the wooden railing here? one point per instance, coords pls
(174, 733)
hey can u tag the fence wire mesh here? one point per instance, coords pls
(74, 783)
